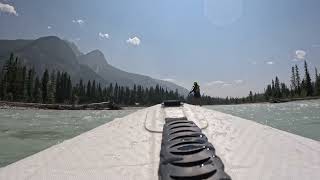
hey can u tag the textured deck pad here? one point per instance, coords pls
(188, 156)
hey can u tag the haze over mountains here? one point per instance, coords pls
(54, 53)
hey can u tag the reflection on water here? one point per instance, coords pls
(300, 117)
(25, 132)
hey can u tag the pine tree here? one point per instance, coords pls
(317, 83)
(82, 91)
(298, 81)
(37, 93)
(115, 93)
(68, 89)
(25, 84)
(285, 92)
(250, 96)
(30, 84)
(10, 77)
(99, 93)
(89, 89)
(51, 88)
(93, 91)
(273, 88)
(293, 80)
(58, 88)
(268, 92)
(110, 92)
(277, 88)
(44, 86)
(308, 83)
(4, 86)
(127, 95)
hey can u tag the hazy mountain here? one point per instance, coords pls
(74, 48)
(97, 62)
(48, 53)
(55, 54)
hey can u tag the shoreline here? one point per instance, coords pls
(112, 106)
(91, 106)
(294, 99)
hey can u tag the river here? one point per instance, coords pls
(24, 132)
(299, 117)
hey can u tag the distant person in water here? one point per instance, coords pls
(196, 94)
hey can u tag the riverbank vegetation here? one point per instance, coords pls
(20, 83)
(300, 88)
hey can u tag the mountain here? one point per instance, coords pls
(48, 53)
(55, 54)
(74, 48)
(98, 63)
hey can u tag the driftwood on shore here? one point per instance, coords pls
(93, 106)
(293, 99)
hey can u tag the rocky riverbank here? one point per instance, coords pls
(92, 106)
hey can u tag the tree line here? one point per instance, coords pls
(22, 84)
(300, 87)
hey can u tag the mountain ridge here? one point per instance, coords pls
(53, 53)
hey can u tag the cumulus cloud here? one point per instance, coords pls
(239, 81)
(270, 62)
(7, 8)
(226, 84)
(103, 35)
(300, 55)
(134, 41)
(78, 21)
(212, 83)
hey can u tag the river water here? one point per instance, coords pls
(24, 132)
(299, 117)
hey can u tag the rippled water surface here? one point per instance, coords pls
(25, 132)
(300, 117)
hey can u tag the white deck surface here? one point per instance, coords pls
(128, 148)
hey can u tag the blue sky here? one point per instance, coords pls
(228, 46)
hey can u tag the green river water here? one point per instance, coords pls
(299, 117)
(25, 132)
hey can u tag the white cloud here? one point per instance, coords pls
(49, 27)
(226, 84)
(270, 62)
(7, 8)
(134, 41)
(78, 21)
(300, 55)
(254, 62)
(103, 35)
(239, 81)
(215, 83)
